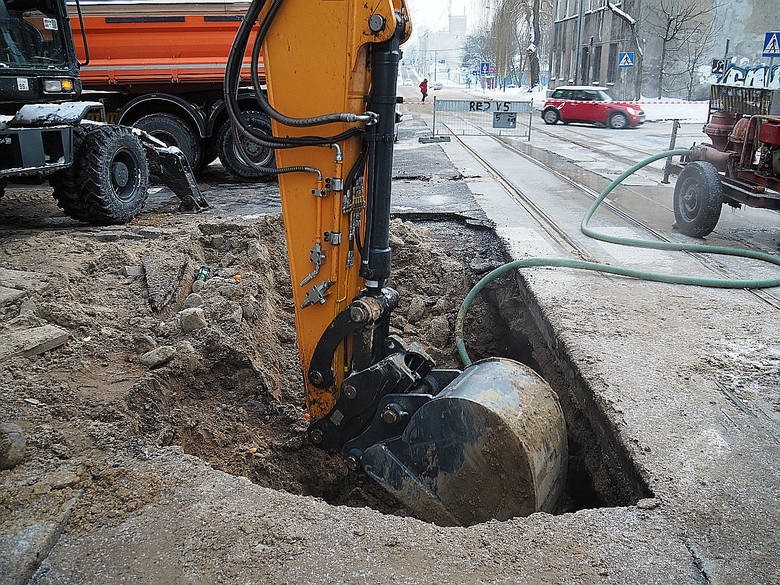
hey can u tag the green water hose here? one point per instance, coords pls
(639, 274)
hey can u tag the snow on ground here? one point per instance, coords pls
(655, 109)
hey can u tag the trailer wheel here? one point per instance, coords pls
(698, 199)
(173, 131)
(233, 160)
(109, 183)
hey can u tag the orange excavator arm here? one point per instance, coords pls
(434, 438)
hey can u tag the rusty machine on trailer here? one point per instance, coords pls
(740, 167)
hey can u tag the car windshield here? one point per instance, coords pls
(604, 96)
(29, 38)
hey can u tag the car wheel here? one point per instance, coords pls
(551, 116)
(618, 121)
(173, 131)
(698, 199)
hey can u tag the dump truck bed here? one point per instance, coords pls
(147, 45)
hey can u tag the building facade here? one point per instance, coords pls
(603, 36)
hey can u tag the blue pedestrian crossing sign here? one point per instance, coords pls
(771, 44)
(626, 59)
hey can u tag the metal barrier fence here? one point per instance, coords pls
(477, 117)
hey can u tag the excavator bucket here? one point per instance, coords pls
(491, 445)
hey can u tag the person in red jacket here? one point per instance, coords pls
(424, 89)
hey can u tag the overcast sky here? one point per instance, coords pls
(433, 13)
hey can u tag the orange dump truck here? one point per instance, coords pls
(160, 65)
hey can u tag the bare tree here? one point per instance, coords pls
(504, 37)
(477, 48)
(640, 51)
(692, 56)
(678, 24)
(519, 28)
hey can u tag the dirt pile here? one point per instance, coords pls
(215, 371)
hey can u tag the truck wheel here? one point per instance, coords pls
(698, 199)
(233, 160)
(618, 121)
(173, 131)
(109, 183)
(210, 153)
(66, 183)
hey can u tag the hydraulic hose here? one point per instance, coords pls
(620, 271)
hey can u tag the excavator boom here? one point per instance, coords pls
(436, 439)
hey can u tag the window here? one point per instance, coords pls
(612, 63)
(596, 74)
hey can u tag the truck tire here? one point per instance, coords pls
(173, 131)
(698, 199)
(109, 182)
(210, 153)
(233, 160)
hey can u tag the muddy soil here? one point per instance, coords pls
(131, 378)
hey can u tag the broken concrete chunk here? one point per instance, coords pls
(23, 280)
(192, 319)
(9, 295)
(193, 300)
(440, 329)
(164, 273)
(144, 343)
(416, 310)
(28, 307)
(12, 444)
(132, 271)
(158, 357)
(31, 341)
(62, 479)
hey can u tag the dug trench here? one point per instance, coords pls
(216, 372)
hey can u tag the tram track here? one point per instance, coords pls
(560, 234)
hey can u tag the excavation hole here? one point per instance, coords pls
(238, 403)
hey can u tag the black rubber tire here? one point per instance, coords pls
(698, 199)
(67, 193)
(2, 189)
(173, 131)
(551, 116)
(110, 181)
(210, 153)
(618, 121)
(234, 162)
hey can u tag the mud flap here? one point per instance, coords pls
(491, 445)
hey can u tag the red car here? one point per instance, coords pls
(592, 105)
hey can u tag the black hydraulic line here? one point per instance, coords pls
(347, 117)
(382, 100)
(230, 90)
